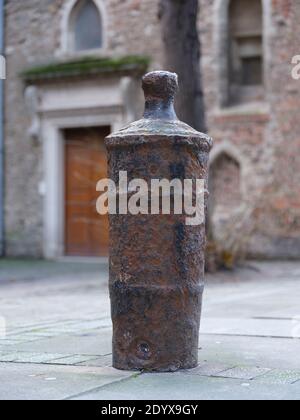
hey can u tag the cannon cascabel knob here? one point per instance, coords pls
(160, 88)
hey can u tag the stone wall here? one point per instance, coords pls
(278, 215)
(263, 139)
(31, 36)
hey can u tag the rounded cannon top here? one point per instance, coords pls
(159, 120)
(160, 85)
(160, 88)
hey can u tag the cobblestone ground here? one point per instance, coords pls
(57, 342)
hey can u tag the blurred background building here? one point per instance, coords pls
(73, 76)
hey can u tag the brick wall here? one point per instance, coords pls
(264, 138)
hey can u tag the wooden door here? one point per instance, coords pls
(86, 232)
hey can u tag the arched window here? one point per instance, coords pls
(85, 27)
(225, 186)
(245, 50)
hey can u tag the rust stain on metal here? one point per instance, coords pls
(156, 261)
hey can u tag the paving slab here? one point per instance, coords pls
(247, 373)
(190, 387)
(104, 361)
(10, 357)
(262, 327)
(273, 353)
(27, 357)
(280, 377)
(208, 369)
(99, 345)
(73, 360)
(51, 382)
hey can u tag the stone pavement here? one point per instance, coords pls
(58, 336)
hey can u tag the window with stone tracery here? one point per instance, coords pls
(85, 27)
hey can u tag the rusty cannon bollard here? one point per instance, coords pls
(156, 260)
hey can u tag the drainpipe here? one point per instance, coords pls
(1, 134)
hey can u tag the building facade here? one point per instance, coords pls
(73, 75)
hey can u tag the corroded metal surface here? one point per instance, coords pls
(156, 261)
